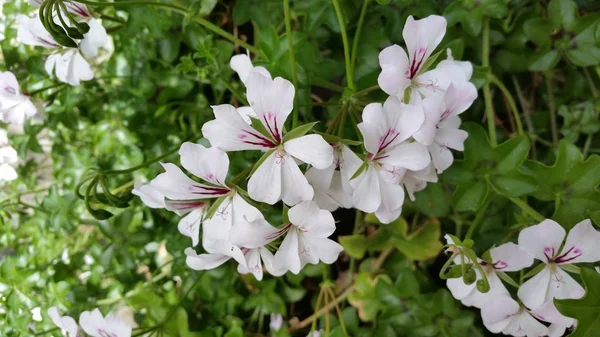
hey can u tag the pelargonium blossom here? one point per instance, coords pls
(8, 157)
(66, 324)
(14, 105)
(95, 325)
(505, 315)
(243, 66)
(278, 177)
(543, 242)
(386, 130)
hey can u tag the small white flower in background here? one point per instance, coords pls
(276, 322)
(95, 325)
(14, 105)
(332, 185)
(36, 314)
(440, 131)
(386, 129)
(543, 242)
(8, 157)
(278, 177)
(399, 71)
(505, 315)
(66, 324)
(505, 258)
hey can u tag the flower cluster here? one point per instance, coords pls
(69, 60)
(92, 323)
(548, 280)
(407, 139)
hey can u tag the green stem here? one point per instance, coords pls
(340, 18)
(588, 143)
(56, 85)
(526, 113)
(142, 165)
(327, 85)
(203, 22)
(361, 20)
(46, 331)
(511, 103)
(527, 209)
(477, 220)
(367, 90)
(487, 95)
(288, 31)
(591, 84)
(551, 108)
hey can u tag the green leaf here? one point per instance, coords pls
(354, 245)
(361, 169)
(470, 197)
(571, 183)
(258, 126)
(422, 244)
(585, 310)
(215, 206)
(563, 13)
(546, 61)
(433, 201)
(299, 131)
(538, 30)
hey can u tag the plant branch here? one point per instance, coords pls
(511, 103)
(361, 20)
(551, 108)
(341, 22)
(487, 95)
(288, 30)
(144, 164)
(528, 209)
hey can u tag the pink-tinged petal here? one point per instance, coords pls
(432, 107)
(175, 185)
(8, 84)
(229, 132)
(150, 196)
(311, 149)
(441, 157)
(182, 207)
(582, 244)
(204, 261)
(265, 185)
(253, 264)
(294, 186)
(451, 122)
(404, 121)
(392, 196)
(116, 326)
(386, 216)
(498, 314)
(523, 324)
(287, 256)
(255, 234)
(548, 313)
(556, 330)
(189, 225)
(415, 181)
(510, 257)
(65, 323)
(394, 65)
(209, 164)
(242, 65)
(422, 37)
(458, 98)
(373, 127)
(542, 241)
(436, 81)
(312, 220)
(31, 32)
(367, 192)
(412, 156)
(272, 100)
(92, 322)
(451, 138)
(94, 39)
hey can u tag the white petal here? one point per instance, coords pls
(498, 314)
(229, 132)
(386, 216)
(272, 100)
(312, 220)
(436, 81)
(394, 66)
(311, 149)
(421, 38)
(392, 196)
(189, 225)
(288, 257)
(150, 196)
(556, 330)
(175, 185)
(533, 293)
(31, 32)
(253, 264)
(542, 241)
(523, 324)
(412, 156)
(78, 68)
(94, 39)
(210, 164)
(479, 300)
(510, 257)
(581, 244)
(349, 163)
(451, 138)
(8, 83)
(320, 178)
(415, 181)
(373, 127)
(458, 98)
(246, 113)
(242, 210)
(268, 260)
(204, 261)
(548, 313)
(242, 65)
(254, 234)
(367, 193)
(265, 184)
(324, 249)
(337, 193)
(432, 107)
(460, 289)
(7, 173)
(92, 322)
(50, 63)
(404, 121)
(441, 157)
(295, 188)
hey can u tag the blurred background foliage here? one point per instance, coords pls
(155, 92)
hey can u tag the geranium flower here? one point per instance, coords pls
(543, 242)
(385, 130)
(332, 184)
(505, 258)
(559, 323)
(95, 325)
(505, 315)
(440, 131)
(415, 181)
(66, 324)
(243, 66)
(14, 105)
(278, 177)
(8, 157)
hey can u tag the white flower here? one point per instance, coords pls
(276, 322)
(278, 177)
(66, 324)
(543, 242)
(506, 257)
(243, 66)
(150, 196)
(548, 313)
(415, 181)
(69, 66)
(385, 130)
(97, 326)
(36, 314)
(440, 131)
(505, 315)
(399, 71)
(14, 105)
(8, 157)
(332, 187)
